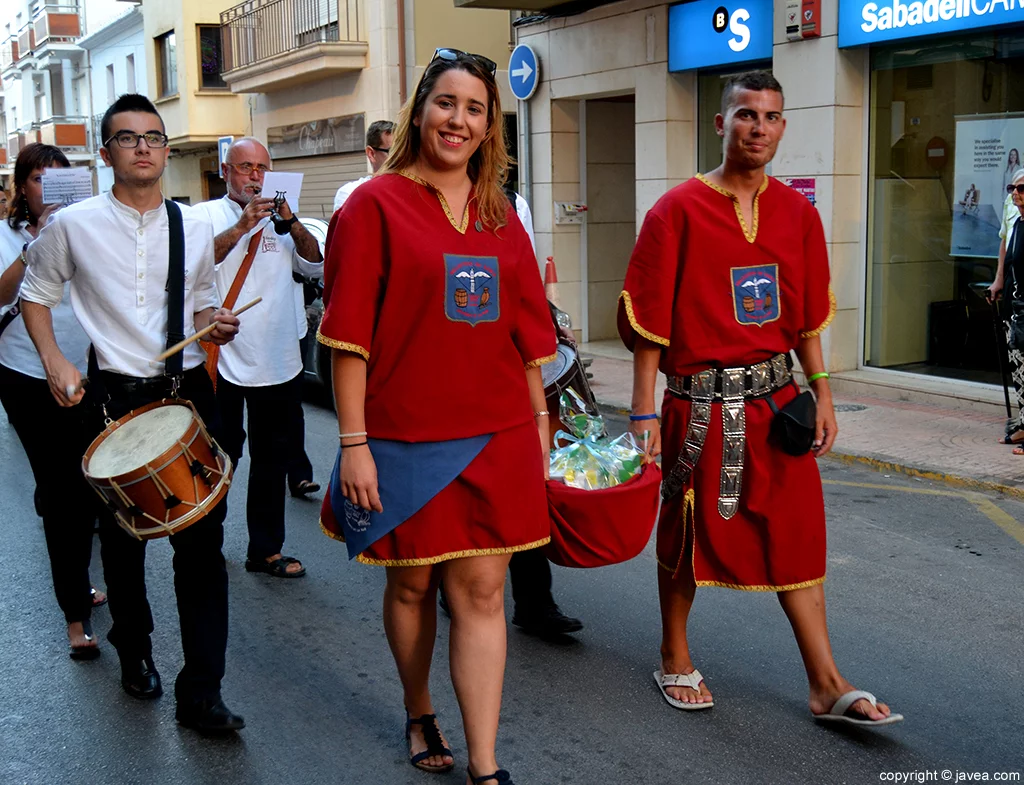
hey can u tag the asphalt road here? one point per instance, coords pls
(925, 596)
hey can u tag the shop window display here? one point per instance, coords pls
(946, 134)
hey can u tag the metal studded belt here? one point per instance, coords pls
(731, 387)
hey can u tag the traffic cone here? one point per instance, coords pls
(550, 280)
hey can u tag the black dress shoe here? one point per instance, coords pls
(209, 716)
(545, 621)
(140, 679)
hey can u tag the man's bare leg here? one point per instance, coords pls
(676, 595)
(805, 609)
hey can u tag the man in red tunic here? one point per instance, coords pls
(729, 274)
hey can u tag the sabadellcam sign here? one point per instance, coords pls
(873, 21)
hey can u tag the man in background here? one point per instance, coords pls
(378, 145)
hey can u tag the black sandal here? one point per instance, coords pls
(277, 568)
(304, 488)
(501, 776)
(435, 744)
(85, 652)
(97, 603)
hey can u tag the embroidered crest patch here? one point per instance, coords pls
(268, 243)
(472, 288)
(755, 294)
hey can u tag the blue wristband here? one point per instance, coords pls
(639, 417)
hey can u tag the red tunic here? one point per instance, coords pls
(447, 315)
(716, 293)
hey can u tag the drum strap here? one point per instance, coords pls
(175, 287)
(213, 352)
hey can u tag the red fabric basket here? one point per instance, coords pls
(602, 527)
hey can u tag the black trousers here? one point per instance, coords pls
(271, 421)
(530, 573)
(200, 577)
(55, 439)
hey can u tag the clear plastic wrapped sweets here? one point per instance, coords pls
(586, 458)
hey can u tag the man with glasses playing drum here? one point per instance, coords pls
(142, 278)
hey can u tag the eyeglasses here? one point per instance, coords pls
(248, 168)
(1019, 188)
(127, 139)
(384, 150)
(453, 55)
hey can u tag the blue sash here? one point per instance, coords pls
(408, 476)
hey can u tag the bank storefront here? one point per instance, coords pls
(945, 134)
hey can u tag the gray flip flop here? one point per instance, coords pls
(691, 680)
(838, 711)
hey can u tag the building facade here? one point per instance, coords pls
(318, 73)
(895, 112)
(117, 65)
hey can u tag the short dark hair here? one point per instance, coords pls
(748, 80)
(32, 156)
(129, 102)
(375, 134)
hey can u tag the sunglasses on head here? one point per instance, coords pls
(1019, 188)
(454, 55)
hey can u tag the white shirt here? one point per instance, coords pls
(1010, 216)
(266, 349)
(346, 191)
(17, 351)
(116, 260)
(526, 219)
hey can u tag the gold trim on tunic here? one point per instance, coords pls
(750, 234)
(757, 587)
(631, 315)
(833, 306)
(328, 532)
(540, 361)
(345, 346)
(459, 227)
(449, 556)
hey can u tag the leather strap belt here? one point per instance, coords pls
(731, 387)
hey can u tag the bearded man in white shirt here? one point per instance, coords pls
(262, 369)
(115, 251)
(378, 145)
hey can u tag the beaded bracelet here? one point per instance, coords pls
(351, 435)
(815, 376)
(639, 417)
(542, 413)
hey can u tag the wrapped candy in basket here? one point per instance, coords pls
(602, 497)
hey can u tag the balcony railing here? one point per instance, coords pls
(64, 132)
(57, 24)
(96, 136)
(258, 30)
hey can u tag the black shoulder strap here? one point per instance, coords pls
(510, 194)
(10, 316)
(175, 287)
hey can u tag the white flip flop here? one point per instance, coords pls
(691, 680)
(838, 711)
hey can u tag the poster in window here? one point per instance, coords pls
(988, 152)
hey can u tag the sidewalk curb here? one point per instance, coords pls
(885, 465)
(958, 481)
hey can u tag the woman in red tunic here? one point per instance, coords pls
(439, 325)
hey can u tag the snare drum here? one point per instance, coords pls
(157, 469)
(565, 371)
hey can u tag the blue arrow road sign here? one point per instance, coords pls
(523, 72)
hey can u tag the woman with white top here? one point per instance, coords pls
(54, 438)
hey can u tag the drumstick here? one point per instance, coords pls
(71, 390)
(202, 333)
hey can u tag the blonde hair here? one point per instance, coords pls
(488, 167)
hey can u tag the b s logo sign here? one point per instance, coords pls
(740, 32)
(735, 24)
